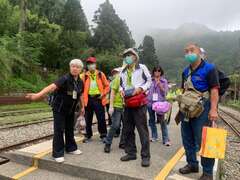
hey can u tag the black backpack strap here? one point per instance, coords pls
(100, 75)
(121, 82)
(144, 76)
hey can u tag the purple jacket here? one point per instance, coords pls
(154, 88)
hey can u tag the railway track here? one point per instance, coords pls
(23, 112)
(18, 125)
(17, 145)
(234, 123)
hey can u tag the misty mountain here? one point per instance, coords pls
(223, 47)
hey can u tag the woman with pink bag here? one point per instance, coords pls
(157, 105)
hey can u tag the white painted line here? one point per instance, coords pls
(41, 147)
(215, 166)
(179, 177)
(38, 148)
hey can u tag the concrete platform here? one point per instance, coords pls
(8, 170)
(175, 175)
(48, 175)
(95, 164)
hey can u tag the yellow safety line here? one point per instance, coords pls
(170, 164)
(36, 159)
(24, 173)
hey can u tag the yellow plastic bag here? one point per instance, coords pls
(213, 143)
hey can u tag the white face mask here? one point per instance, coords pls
(91, 67)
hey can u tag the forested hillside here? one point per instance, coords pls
(38, 38)
(223, 48)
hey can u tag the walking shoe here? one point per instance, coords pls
(168, 143)
(189, 169)
(103, 140)
(59, 159)
(153, 140)
(76, 152)
(107, 148)
(206, 177)
(128, 157)
(116, 135)
(145, 162)
(121, 146)
(87, 140)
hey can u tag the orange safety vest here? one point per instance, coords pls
(103, 86)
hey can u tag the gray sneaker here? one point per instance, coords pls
(206, 177)
(87, 140)
(145, 162)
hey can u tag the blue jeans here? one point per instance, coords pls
(192, 136)
(116, 122)
(152, 124)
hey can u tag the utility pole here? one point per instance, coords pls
(237, 74)
(23, 18)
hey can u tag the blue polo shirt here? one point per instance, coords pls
(204, 77)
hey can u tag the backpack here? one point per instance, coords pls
(224, 82)
(51, 98)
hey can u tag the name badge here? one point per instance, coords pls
(155, 97)
(74, 95)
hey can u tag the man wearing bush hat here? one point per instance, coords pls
(135, 80)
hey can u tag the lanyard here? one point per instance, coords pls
(93, 76)
(129, 77)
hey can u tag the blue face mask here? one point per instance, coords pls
(191, 58)
(128, 60)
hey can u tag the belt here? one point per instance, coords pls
(96, 96)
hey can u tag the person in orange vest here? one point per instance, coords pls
(96, 88)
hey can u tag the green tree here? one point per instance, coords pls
(50, 39)
(51, 9)
(222, 48)
(148, 52)
(108, 60)
(74, 18)
(111, 31)
(9, 18)
(72, 43)
(7, 58)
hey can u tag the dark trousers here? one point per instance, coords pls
(122, 130)
(136, 117)
(192, 136)
(63, 123)
(95, 105)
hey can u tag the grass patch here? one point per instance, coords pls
(24, 118)
(34, 105)
(233, 104)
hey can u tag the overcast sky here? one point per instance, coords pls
(144, 15)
